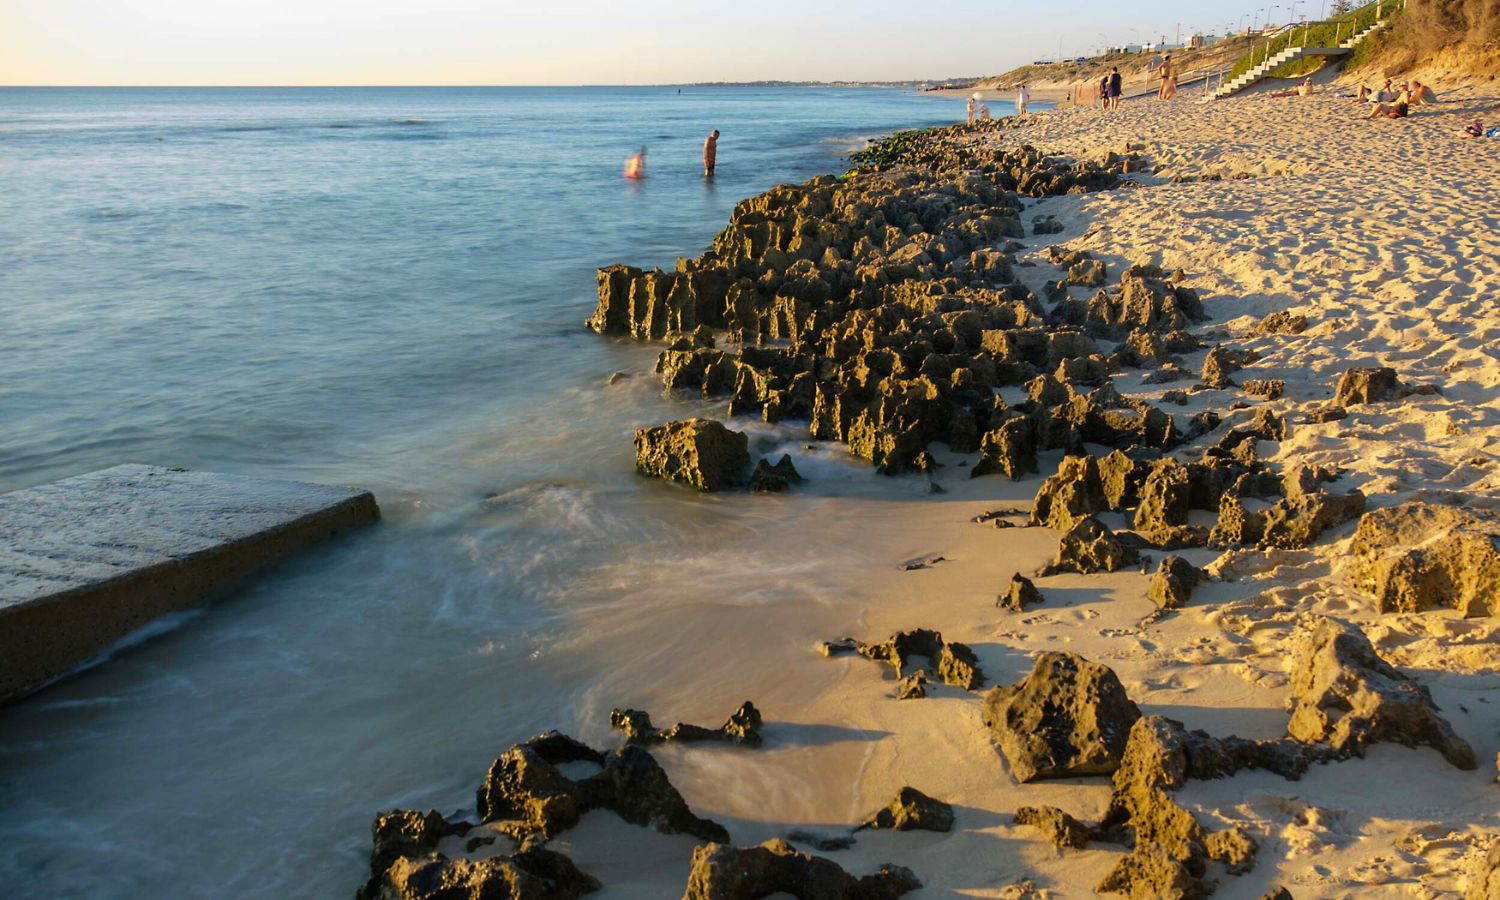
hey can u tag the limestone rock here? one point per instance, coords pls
(1059, 828)
(1264, 388)
(1346, 696)
(913, 686)
(1282, 322)
(1074, 493)
(1171, 848)
(1295, 522)
(531, 874)
(722, 872)
(527, 794)
(1020, 594)
(1009, 449)
(912, 810)
(700, 452)
(1484, 880)
(742, 727)
(1090, 547)
(1162, 516)
(776, 478)
(1067, 717)
(1222, 362)
(1172, 584)
(1365, 385)
(955, 663)
(1420, 556)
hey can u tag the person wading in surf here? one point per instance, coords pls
(710, 153)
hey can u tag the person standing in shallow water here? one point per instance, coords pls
(710, 153)
(635, 166)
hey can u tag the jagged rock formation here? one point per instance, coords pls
(955, 663)
(1364, 385)
(912, 810)
(894, 316)
(775, 479)
(722, 872)
(699, 452)
(1067, 717)
(1172, 584)
(742, 727)
(1059, 828)
(1420, 556)
(1282, 322)
(525, 793)
(1347, 697)
(1019, 594)
(1091, 547)
(1169, 849)
(531, 874)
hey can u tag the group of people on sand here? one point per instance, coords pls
(635, 166)
(1390, 103)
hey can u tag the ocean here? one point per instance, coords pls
(383, 287)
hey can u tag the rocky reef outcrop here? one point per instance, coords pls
(525, 793)
(1347, 697)
(954, 663)
(723, 872)
(1420, 556)
(912, 810)
(1068, 717)
(742, 727)
(699, 452)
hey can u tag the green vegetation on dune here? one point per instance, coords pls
(1321, 34)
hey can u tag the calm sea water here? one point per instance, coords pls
(382, 287)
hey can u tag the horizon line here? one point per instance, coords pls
(664, 84)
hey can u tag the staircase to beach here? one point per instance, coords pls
(1292, 54)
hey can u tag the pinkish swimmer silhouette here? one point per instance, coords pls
(635, 166)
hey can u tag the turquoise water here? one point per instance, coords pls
(373, 286)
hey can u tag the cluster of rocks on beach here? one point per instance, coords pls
(884, 309)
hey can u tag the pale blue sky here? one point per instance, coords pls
(565, 41)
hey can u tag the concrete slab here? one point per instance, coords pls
(87, 560)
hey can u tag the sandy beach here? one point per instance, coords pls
(1384, 235)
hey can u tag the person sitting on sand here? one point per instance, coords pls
(1420, 94)
(1396, 110)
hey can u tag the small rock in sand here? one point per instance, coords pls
(1067, 717)
(1059, 828)
(1019, 594)
(1172, 585)
(1366, 385)
(912, 810)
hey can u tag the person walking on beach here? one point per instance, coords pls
(710, 153)
(1023, 97)
(1112, 93)
(1168, 74)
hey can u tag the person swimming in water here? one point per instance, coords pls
(635, 166)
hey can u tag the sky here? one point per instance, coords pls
(380, 42)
